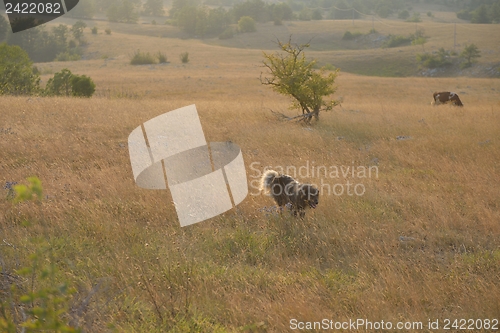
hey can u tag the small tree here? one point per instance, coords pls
(292, 75)
(61, 33)
(17, 74)
(246, 24)
(65, 83)
(82, 86)
(77, 29)
(60, 84)
(470, 54)
(162, 58)
(184, 57)
(154, 8)
(404, 15)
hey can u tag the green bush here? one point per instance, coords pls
(65, 83)
(329, 67)
(316, 14)
(68, 56)
(404, 15)
(397, 40)
(184, 57)
(17, 74)
(226, 34)
(108, 31)
(94, 30)
(415, 18)
(470, 53)
(441, 59)
(350, 36)
(142, 58)
(246, 24)
(82, 86)
(162, 58)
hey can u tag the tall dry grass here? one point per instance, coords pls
(422, 242)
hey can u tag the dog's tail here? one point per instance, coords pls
(267, 180)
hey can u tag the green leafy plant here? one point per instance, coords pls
(397, 40)
(65, 83)
(82, 86)
(294, 76)
(470, 53)
(184, 57)
(246, 24)
(226, 34)
(17, 74)
(142, 58)
(77, 30)
(45, 306)
(162, 58)
(351, 35)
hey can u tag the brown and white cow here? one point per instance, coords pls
(446, 97)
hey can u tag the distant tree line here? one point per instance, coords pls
(43, 44)
(481, 11)
(18, 76)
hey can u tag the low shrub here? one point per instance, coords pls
(142, 58)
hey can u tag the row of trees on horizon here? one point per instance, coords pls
(477, 11)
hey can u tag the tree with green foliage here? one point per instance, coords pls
(294, 76)
(17, 74)
(403, 15)
(187, 19)
(281, 12)
(480, 15)
(40, 45)
(77, 29)
(82, 86)
(60, 84)
(61, 33)
(218, 21)
(317, 15)
(246, 24)
(414, 18)
(470, 54)
(305, 14)
(65, 83)
(256, 9)
(178, 5)
(202, 21)
(122, 11)
(154, 8)
(429, 60)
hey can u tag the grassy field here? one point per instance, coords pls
(422, 243)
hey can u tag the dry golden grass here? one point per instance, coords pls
(422, 242)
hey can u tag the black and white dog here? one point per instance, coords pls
(287, 191)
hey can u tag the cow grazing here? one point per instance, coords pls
(446, 97)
